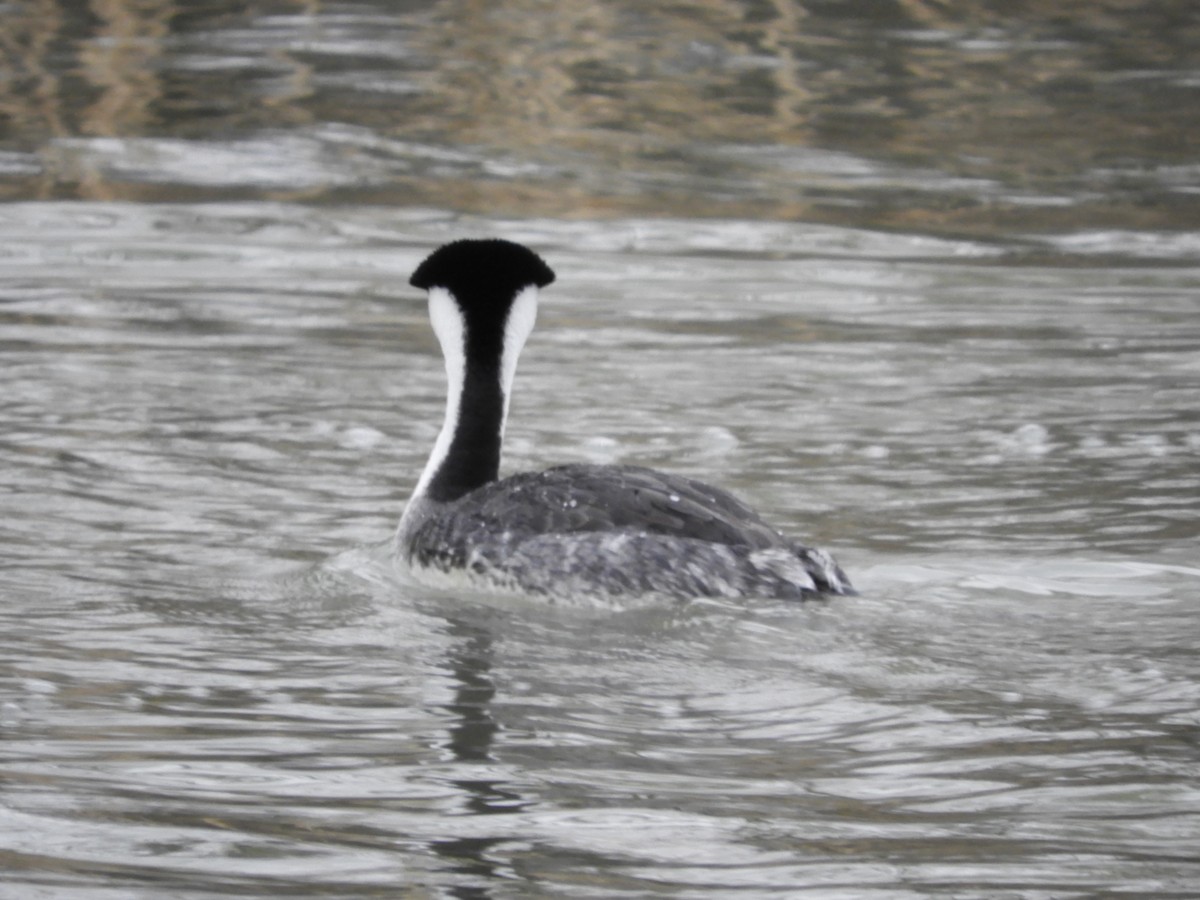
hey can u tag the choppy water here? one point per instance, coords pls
(214, 682)
(918, 280)
(964, 116)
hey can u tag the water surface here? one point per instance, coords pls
(967, 117)
(918, 280)
(215, 683)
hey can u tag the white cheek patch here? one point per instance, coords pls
(451, 331)
(521, 316)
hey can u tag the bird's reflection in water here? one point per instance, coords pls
(471, 741)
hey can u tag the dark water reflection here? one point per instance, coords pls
(924, 116)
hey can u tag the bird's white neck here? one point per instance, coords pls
(479, 377)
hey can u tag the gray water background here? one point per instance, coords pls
(919, 282)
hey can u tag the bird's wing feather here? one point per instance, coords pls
(585, 498)
(634, 530)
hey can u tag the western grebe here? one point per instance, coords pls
(575, 529)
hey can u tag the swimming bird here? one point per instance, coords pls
(591, 530)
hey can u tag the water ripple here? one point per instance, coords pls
(213, 678)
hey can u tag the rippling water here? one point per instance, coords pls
(968, 116)
(215, 683)
(917, 279)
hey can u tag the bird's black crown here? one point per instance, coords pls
(482, 270)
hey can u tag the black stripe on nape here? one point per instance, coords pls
(473, 458)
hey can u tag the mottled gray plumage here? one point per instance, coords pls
(618, 530)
